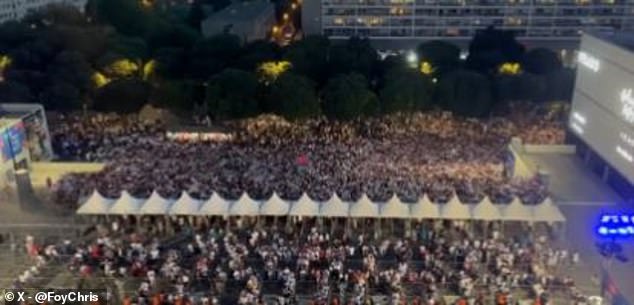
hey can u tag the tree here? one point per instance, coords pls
(541, 61)
(257, 52)
(491, 47)
(293, 96)
(115, 66)
(61, 96)
(356, 55)
(309, 57)
(269, 71)
(33, 79)
(443, 56)
(465, 93)
(91, 41)
(122, 95)
(129, 47)
(196, 15)
(211, 55)
(33, 55)
(172, 94)
(171, 62)
(406, 91)
(127, 16)
(172, 35)
(347, 96)
(231, 94)
(521, 87)
(14, 92)
(13, 34)
(559, 85)
(72, 68)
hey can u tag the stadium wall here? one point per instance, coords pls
(602, 114)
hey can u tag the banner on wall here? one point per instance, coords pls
(37, 138)
(13, 139)
(184, 136)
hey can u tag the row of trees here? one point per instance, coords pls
(121, 55)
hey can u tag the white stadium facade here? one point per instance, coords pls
(602, 117)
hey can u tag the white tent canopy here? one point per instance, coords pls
(304, 206)
(334, 207)
(454, 209)
(95, 205)
(215, 206)
(245, 206)
(156, 205)
(485, 210)
(275, 206)
(516, 211)
(126, 205)
(185, 205)
(547, 211)
(364, 208)
(424, 209)
(394, 208)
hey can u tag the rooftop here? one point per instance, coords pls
(242, 11)
(622, 39)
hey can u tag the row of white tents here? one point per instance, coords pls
(394, 208)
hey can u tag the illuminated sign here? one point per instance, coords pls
(627, 101)
(616, 225)
(198, 136)
(589, 61)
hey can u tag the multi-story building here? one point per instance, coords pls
(17, 9)
(416, 20)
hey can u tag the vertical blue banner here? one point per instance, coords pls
(13, 139)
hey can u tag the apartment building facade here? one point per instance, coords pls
(17, 9)
(458, 20)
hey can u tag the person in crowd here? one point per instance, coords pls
(431, 153)
(405, 271)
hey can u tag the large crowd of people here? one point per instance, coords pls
(248, 265)
(408, 155)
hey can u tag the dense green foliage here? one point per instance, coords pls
(347, 96)
(293, 96)
(232, 94)
(465, 93)
(406, 91)
(121, 55)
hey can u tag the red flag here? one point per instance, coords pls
(302, 160)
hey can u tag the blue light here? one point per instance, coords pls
(616, 225)
(603, 230)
